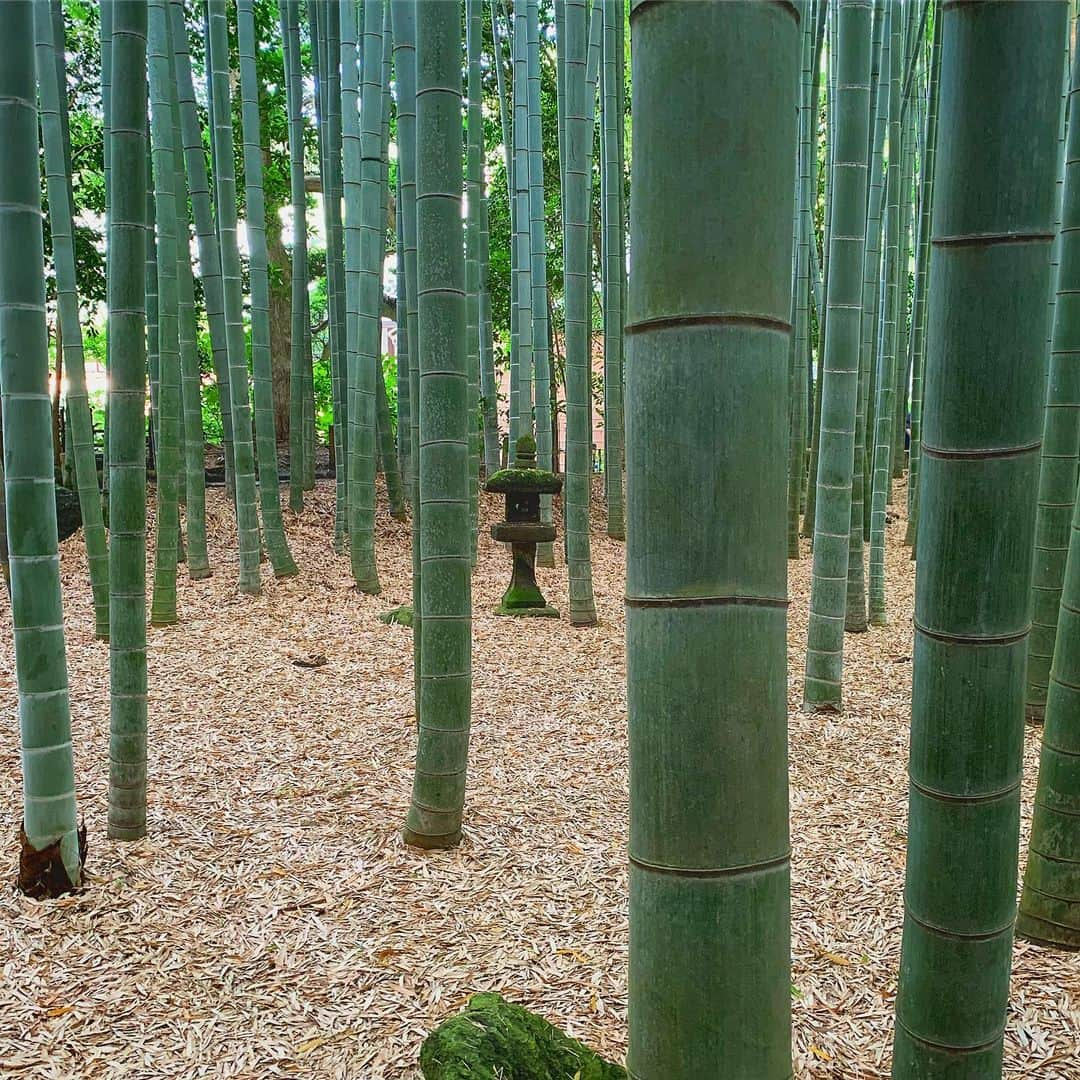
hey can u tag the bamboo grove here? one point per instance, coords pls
(813, 309)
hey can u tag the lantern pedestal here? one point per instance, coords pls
(522, 530)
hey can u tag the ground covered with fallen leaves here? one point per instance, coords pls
(274, 924)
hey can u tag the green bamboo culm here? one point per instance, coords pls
(361, 131)
(5, 570)
(331, 23)
(488, 387)
(919, 309)
(438, 798)
(316, 36)
(506, 125)
(521, 272)
(545, 555)
(840, 365)
(404, 402)
(194, 440)
(1050, 900)
(311, 439)
(50, 862)
(247, 514)
(474, 146)
(903, 319)
(51, 66)
(855, 620)
(577, 278)
(885, 390)
(489, 397)
(105, 45)
(273, 527)
(209, 252)
(708, 343)
(614, 262)
(300, 351)
(325, 17)
(403, 20)
(150, 281)
(993, 213)
(1061, 437)
(166, 553)
(800, 300)
(128, 154)
(817, 290)
(392, 474)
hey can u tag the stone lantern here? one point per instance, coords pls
(523, 484)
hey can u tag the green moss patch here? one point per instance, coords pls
(496, 1040)
(399, 616)
(524, 480)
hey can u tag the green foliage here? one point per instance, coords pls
(399, 616)
(496, 1040)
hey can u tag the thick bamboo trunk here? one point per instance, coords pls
(983, 421)
(1061, 437)
(51, 856)
(708, 336)
(445, 674)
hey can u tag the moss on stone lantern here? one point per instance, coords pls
(523, 530)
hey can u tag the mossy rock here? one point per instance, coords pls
(399, 616)
(496, 1040)
(524, 481)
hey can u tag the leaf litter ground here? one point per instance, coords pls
(274, 924)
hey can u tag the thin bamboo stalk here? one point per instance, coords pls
(52, 99)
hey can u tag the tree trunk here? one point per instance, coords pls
(706, 585)
(77, 427)
(51, 857)
(580, 121)
(838, 380)
(983, 421)
(438, 797)
(128, 151)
